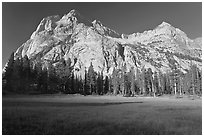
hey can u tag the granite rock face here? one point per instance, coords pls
(73, 36)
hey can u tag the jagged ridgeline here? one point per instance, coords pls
(74, 55)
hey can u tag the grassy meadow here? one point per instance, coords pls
(76, 114)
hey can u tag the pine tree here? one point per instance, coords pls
(52, 79)
(102, 83)
(72, 83)
(123, 81)
(25, 73)
(199, 83)
(133, 82)
(147, 82)
(127, 85)
(195, 80)
(80, 85)
(92, 79)
(150, 81)
(181, 84)
(168, 83)
(8, 73)
(115, 81)
(161, 83)
(76, 84)
(106, 85)
(16, 76)
(139, 82)
(156, 83)
(143, 81)
(99, 84)
(63, 72)
(39, 77)
(85, 83)
(187, 83)
(175, 77)
(44, 78)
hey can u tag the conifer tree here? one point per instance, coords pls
(80, 85)
(16, 76)
(133, 81)
(44, 78)
(102, 83)
(99, 84)
(161, 83)
(26, 73)
(199, 83)
(106, 85)
(39, 77)
(139, 82)
(195, 80)
(168, 83)
(72, 83)
(126, 85)
(143, 81)
(137, 87)
(147, 83)
(63, 72)
(76, 84)
(8, 73)
(175, 76)
(155, 84)
(115, 81)
(52, 79)
(85, 83)
(187, 83)
(150, 81)
(92, 79)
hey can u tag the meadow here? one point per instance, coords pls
(100, 115)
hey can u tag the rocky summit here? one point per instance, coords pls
(74, 37)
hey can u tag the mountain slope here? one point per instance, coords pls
(73, 36)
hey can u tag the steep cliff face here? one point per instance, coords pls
(73, 36)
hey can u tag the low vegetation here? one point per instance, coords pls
(75, 114)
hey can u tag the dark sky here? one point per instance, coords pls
(19, 20)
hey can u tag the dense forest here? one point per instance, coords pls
(23, 77)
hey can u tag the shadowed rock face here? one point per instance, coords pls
(75, 37)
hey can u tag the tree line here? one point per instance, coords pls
(22, 76)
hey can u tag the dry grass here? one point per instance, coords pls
(100, 115)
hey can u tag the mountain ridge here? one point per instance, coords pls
(74, 37)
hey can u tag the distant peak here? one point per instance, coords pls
(164, 24)
(75, 16)
(73, 13)
(97, 22)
